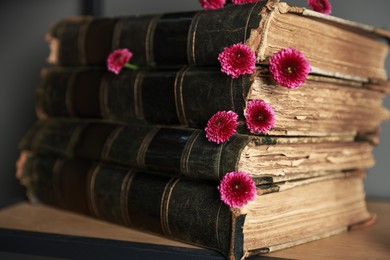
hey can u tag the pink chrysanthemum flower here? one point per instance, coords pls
(119, 59)
(221, 126)
(322, 6)
(237, 189)
(212, 4)
(289, 68)
(259, 116)
(237, 59)
(239, 2)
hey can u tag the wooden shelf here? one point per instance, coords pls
(42, 230)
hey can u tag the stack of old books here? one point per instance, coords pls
(243, 160)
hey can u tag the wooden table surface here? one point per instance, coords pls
(369, 243)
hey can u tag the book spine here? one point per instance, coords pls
(81, 40)
(177, 151)
(186, 97)
(175, 38)
(154, 203)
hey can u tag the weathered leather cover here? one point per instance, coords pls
(85, 40)
(153, 203)
(173, 151)
(194, 37)
(186, 96)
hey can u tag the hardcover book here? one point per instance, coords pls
(134, 149)
(187, 152)
(198, 37)
(189, 96)
(192, 212)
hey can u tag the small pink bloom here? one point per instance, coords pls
(322, 6)
(236, 189)
(221, 126)
(239, 2)
(212, 4)
(237, 59)
(259, 116)
(289, 68)
(118, 59)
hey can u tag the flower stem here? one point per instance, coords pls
(131, 66)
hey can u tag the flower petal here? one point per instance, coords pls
(289, 68)
(322, 6)
(237, 189)
(259, 116)
(212, 4)
(118, 59)
(221, 126)
(237, 59)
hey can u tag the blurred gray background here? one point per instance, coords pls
(23, 53)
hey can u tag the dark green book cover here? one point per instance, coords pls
(153, 203)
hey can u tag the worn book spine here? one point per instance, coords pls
(118, 195)
(187, 152)
(172, 38)
(178, 151)
(189, 96)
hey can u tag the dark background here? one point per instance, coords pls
(23, 53)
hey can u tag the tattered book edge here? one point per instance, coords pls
(355, 226)
(270, 249)
(374, 31)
